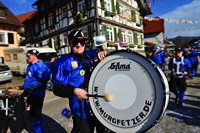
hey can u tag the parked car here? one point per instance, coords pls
(5, 73)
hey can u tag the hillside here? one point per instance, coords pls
(181, 41)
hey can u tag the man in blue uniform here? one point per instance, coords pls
(193, 58)
(179, 67)
(35, 84)
(159, 57)
(71, 81)
(37, 75)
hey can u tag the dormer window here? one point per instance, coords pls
(2, 13)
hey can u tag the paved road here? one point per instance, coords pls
(177, 119)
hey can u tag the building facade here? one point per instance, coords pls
(10, 30)
(119, 20)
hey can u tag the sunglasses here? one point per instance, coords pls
(75, 42)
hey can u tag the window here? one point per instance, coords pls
(7, 57)
(37, 27)
(110, 33)
(2, 13)
(64, 11)
(107, 5)
(50, 20)
(10, 38)
(130, 37)
(65, 39)
(123, 36)
(128, 14)
(137, 19)
(42, 23)
(3, 67)
(85, 31)
(121, 9)
(81, 6)
(15, 57)
(3, 38)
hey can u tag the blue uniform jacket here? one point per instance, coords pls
(63, 73)
(38, 72)
(193, 57)
(159, 58)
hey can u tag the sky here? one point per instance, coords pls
(167, 9)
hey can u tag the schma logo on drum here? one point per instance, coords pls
(120, 67)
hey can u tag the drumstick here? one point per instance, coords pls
(108, 97)
(74, 64)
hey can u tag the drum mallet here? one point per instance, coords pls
(108, 97)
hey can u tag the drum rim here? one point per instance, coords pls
(163, 81)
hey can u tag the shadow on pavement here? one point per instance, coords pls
(51, 126)
(188, 115)
(193, 86)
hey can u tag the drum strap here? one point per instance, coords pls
(178, 63)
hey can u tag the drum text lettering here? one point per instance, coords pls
(128, 122)
(120, 67)
(96, 89)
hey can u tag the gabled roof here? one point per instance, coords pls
(9, 17)
(144, 7)
(23, 17)
(153, 26)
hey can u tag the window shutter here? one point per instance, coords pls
(102, 4)
(141, 20)
(54, 18)
(104, 31)
(120, 34)
(90, 33)
(74, 8)
(47, 22)
(115, 34)
(133, 15)
(113, 6)
(141, 39)
(117, 7)
(58, 41)
(135, 38)
(87, 4)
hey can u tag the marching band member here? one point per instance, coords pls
(193, 58)
(159, 57)
(35, 84)
(70, 81)
(34, 87)
(179, 67)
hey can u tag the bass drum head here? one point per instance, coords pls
(139, 88)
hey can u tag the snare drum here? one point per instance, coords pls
(9, 103)
(139, 87)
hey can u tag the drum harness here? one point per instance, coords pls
(178, 74)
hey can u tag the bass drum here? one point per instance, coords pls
(139, 87)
